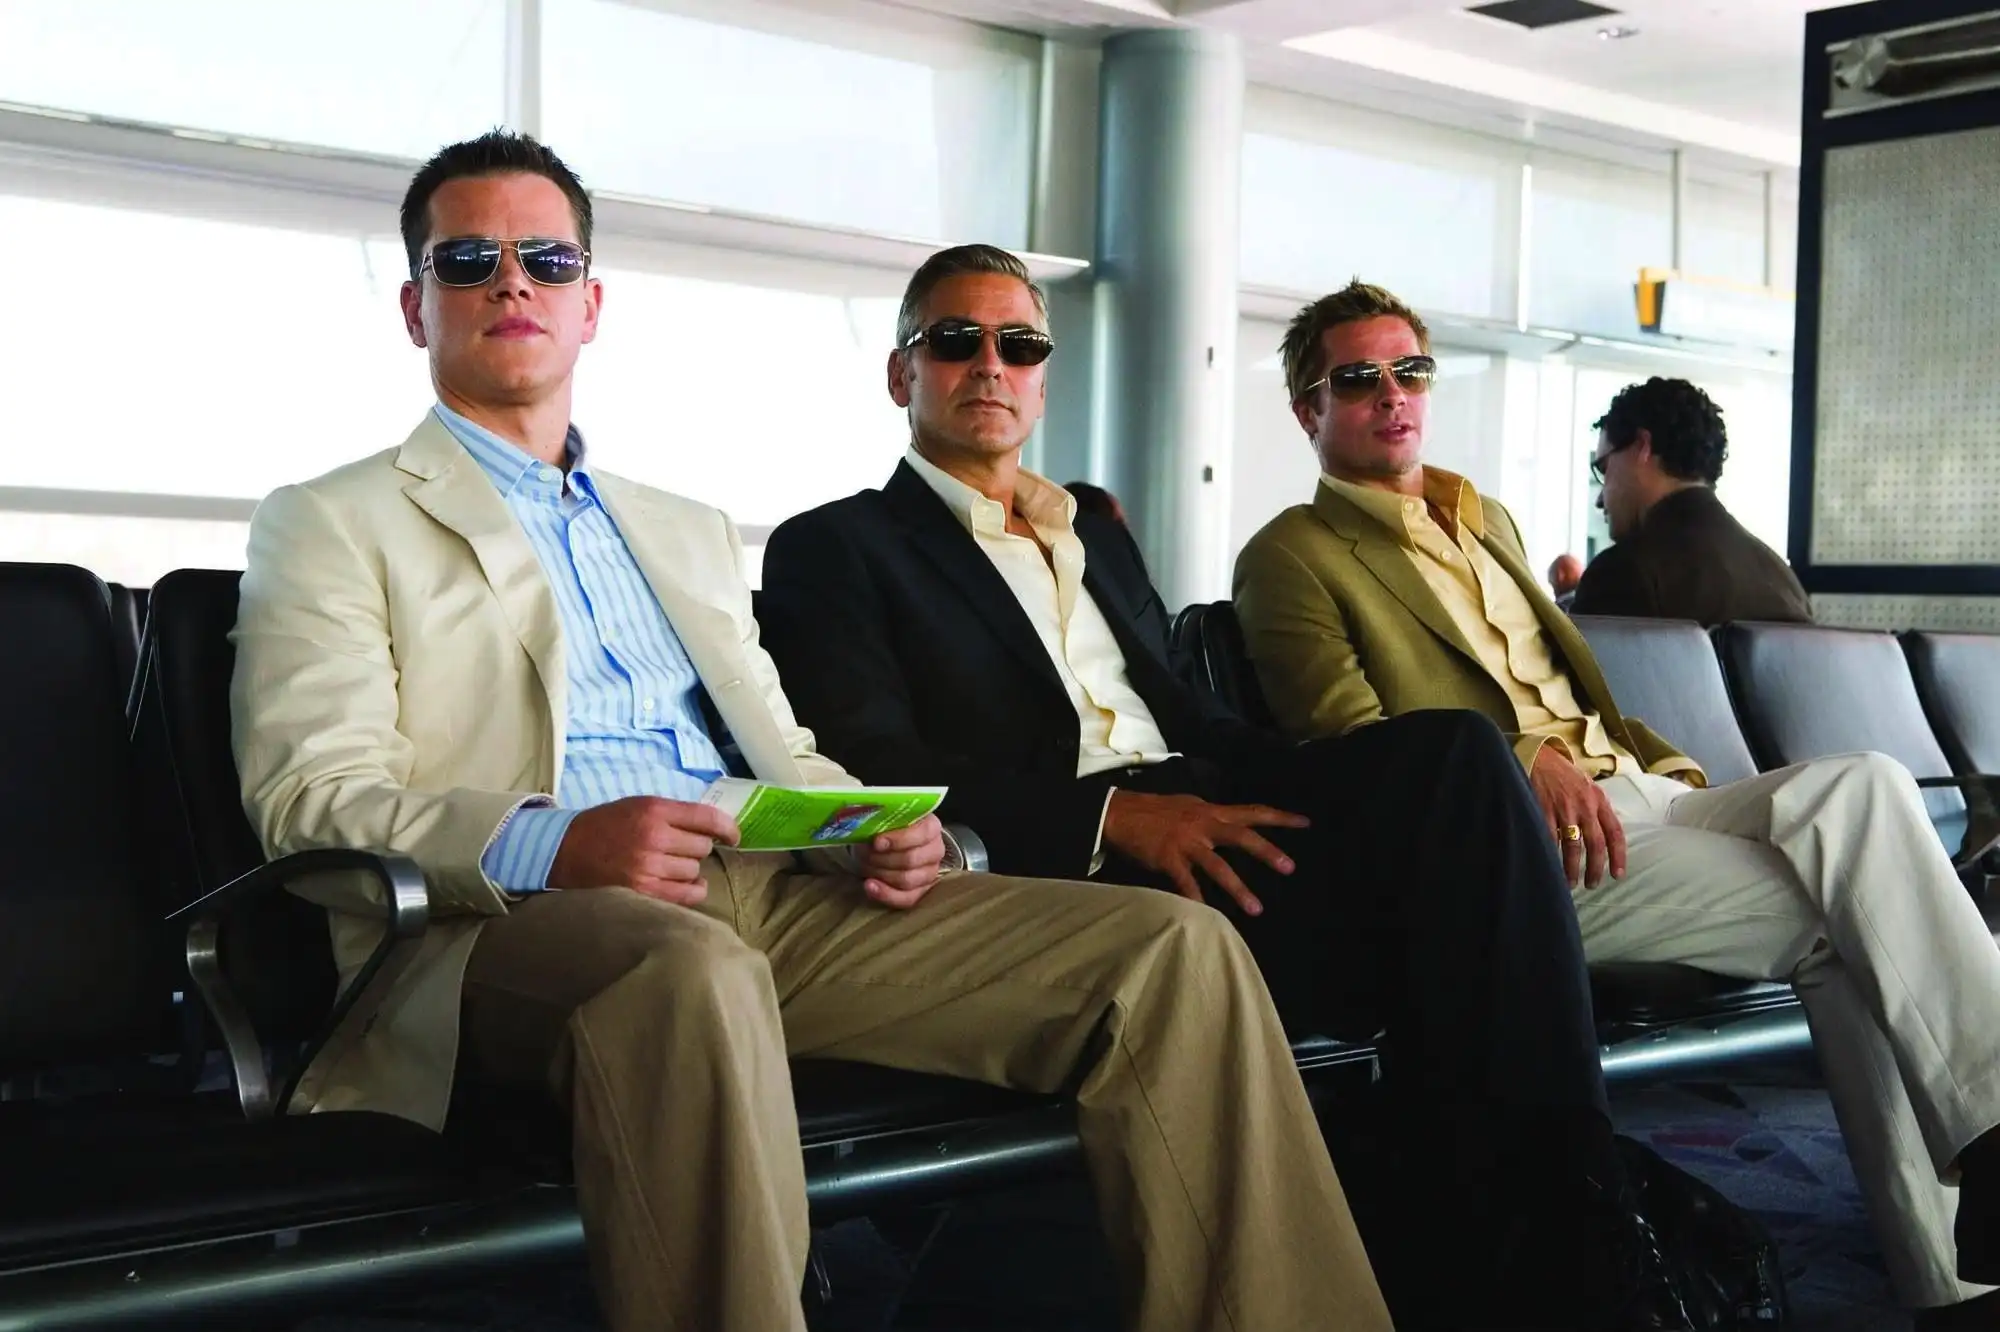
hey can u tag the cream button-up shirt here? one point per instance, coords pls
(1115, 727)
(1441, 534)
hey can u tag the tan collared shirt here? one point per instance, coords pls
(1443, 536)
(1116, 729)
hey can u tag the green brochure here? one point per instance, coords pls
(798, 818)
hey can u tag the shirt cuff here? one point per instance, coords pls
(523, 849)
(1529, 748)
(1683, 767)
(1097, 847)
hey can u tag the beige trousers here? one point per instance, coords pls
(665, 1030)
(1829, 875)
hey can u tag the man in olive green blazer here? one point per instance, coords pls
(1398, 587)
(1362, 637)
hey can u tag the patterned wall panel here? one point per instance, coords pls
(1907, 447)
(1843, 610)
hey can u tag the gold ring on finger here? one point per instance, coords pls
(1572, 833)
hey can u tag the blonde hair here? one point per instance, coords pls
(1354, 302)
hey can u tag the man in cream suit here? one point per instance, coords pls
(1400, 587)
(477, 650)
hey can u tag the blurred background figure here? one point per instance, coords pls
(1565, 572)
(1097, 500)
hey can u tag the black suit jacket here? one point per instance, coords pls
(904, 650)
(1691, 560)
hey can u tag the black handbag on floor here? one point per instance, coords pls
(1726, 1263)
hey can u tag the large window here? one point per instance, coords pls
(380, 76)
(1595, 226)
(1330, 192)
(185, 356)
(914, 128)
(762, 401)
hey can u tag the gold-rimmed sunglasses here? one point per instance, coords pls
(1358, 381)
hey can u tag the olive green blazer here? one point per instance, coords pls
(1344, 631)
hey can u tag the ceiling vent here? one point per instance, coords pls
(1536, 14)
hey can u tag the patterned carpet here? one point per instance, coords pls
(1031, 1261)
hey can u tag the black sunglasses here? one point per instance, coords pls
(1598, 464)
(1359, 380)
(471, 261)
(954, 340)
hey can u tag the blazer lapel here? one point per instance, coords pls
(688, 576)
(945, 543)
(1381, 556)
(449, 486)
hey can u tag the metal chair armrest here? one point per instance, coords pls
(406, 910)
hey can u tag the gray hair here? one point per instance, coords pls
(960, 261)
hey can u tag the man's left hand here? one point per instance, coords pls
(899, 867)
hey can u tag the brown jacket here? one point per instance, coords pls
(1691, 560)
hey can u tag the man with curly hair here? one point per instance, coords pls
(1680, 555)
(1400, 588)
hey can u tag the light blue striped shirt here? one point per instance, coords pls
(635, 721)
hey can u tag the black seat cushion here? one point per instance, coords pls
(1665, 673)
(279, 953)
(1207, 644)
(85, 1179)
(83, 962)
(1660, 993)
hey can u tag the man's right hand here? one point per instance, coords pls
(1175, 835)
(650, 845)
(1571, 800)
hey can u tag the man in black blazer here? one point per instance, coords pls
(1680, 555)
(965, 626)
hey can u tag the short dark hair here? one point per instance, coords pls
(494, 153)
(1684, 424)
(1354, 302)
(960, 261)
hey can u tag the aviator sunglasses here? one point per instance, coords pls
(471, 261)
(954, 340)
(1360, 380)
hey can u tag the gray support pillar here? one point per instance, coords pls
(1170, 143)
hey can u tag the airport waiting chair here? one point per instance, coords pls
(1665, 673)
(1805, 692)
(1206, 644)
(128, 619)
(1958, 683)
(1655, 1018)
(139, 1164)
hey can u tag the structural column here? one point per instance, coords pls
(1168, 186)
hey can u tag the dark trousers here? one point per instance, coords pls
(1428, 905)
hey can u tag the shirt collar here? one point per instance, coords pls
(1448, 492)
(510, 467)
(1042, 502)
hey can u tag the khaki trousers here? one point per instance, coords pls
(1829, 875)
(665, 1031)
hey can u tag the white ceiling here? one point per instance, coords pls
(1720, 77)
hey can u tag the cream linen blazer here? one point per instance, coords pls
(399, 686)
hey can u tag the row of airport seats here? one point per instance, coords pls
(1743, 699)
(143, 941)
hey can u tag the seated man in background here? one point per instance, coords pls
(968, 625)
(478, 650)
(1400, 588)
(1565, 570)
(1679, 554)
